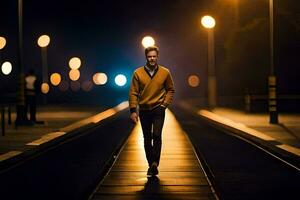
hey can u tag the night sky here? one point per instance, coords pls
(107, 35)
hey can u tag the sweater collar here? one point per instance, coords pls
(148, 70)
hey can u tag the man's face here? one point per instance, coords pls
(152, 58)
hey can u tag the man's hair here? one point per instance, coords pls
(151, 48)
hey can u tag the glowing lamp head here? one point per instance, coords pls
(44, 41)
(100, 78)
(208, 22)
(55, 79)
(75, 63)
(6, 68)
(2, 42)
(148, 41)
(193, 81)
(120, 80)
(74, 74)
(45, 88)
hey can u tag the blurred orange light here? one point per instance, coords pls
(44, 41)
(100, 78)
(193, 81)
(55, 79)
(45, 88)
(2, 42)
(74, 74)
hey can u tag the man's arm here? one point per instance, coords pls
(133, 97)
(169, 86)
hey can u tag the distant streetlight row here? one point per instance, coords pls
(75, 63)
(6, 67)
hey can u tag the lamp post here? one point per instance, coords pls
(209, 23)
(21, 118)
(43, 42)
(236, 14)
(148, 41)
(272, 97)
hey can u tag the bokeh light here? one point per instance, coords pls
(193, 81)
(208, 21)
(74, 74)
(55, 79)
(100, 78)
(120, 80)
(45, 88)
(44, 41)
(75, 63)
(6, 68)
(148, 41)
(2, 42)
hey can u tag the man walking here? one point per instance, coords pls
(151, 91)
(31, 90)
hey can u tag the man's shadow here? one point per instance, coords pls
(152, 186)
(152, 189)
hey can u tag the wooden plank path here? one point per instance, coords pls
(180, 173)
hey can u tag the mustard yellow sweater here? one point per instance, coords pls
(149, 92)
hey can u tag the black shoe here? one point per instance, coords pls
(154, 169)
(149, 172)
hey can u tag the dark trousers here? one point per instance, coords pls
(152, 123)
(31, 105)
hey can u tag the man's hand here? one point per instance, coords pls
(134, 117)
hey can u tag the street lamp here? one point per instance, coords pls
(209, 23)
(148, 41)
(21, 118)
(236, 13)
(43, 42)
(272, 78)
(74, 64)
(6, 68)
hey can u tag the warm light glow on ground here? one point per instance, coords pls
(45, 88)
(55, 79)
(44, 41)
(100, 78)
(120, 80)
(193, 81)
(6, 68)
(75, 63)
(2, 42)
(74, 74)
(148, 41)
(208, 21)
